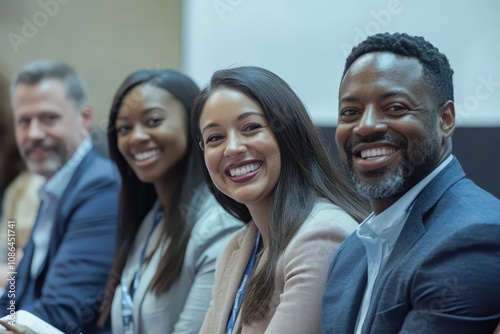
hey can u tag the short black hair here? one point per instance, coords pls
(437, 71)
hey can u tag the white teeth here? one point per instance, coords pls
(146, 155)
(244, 169)
(375, 152)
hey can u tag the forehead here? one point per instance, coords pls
(384, 70)
(146, 93)
(230, 100)
(49, 95)
(47, 89)
(147, 96)
(228, 105)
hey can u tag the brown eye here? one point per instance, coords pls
(252, 126)
(396, 109)
(213, 139)
(349, 112)
(154, 121)
(123, 129)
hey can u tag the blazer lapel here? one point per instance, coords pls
(345, 288)
(415, 226)
(143, 288)
(22, 281)
(414, 229)
(25, 266)
(232, 275)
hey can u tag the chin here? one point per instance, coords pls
(46, 169)
(144, 178)
(240, 198)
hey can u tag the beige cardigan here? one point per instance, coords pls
(300, 275)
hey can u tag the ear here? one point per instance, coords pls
(447, 119)
(87, 115)
(201, 145)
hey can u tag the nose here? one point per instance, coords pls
(235, 145)
(36, 130)
(371, 122)
(138, 134)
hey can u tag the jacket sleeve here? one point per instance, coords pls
(74, 284)
(456, 289)
(210, 240)
(306, 263)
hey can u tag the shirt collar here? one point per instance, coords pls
(383, 223)
(56, 185)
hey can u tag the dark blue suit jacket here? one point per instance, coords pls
(70, 285)
(443, 275)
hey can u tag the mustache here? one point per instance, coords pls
(38, 145)
(376, 138)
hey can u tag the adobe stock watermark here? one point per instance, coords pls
(471, 103)
(224, 6)
(381, 19)
(30, 28)
(451, 290)
(11, 271)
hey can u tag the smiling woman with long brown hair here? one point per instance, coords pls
(266, 163)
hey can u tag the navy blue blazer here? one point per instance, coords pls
(70, 285)
(443, 275)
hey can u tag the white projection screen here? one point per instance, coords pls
(306, 42)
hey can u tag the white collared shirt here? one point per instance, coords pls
(379, 234)
(50, 197)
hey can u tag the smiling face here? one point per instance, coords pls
(390, 130)
(152, 132)
(241, 152)
(48, 127)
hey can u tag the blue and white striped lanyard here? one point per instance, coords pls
(128, 298)
(240, 294)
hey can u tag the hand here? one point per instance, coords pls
(10, 329)
(497, 331)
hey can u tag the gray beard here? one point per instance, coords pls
(379, 189)
(50, 168)
(425, 158)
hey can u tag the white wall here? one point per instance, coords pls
(306, 42)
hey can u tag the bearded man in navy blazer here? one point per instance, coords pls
(427, 260)
(62, 274)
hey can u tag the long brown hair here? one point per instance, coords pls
(307, 172)
(137, 198)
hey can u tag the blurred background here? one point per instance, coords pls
(305, 42)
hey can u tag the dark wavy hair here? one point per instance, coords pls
(437, 71)
(137, 198)
(307, 171)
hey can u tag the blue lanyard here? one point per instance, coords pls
(127, 297)
(243, 287)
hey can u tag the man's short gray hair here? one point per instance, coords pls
(34, 72)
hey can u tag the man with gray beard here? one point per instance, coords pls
(61, 277)
(425, 260)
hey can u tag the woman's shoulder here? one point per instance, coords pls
(210, 221)
(319, 237)
(210, 218)
(237, 242)
(326, 220)
(327, 215)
